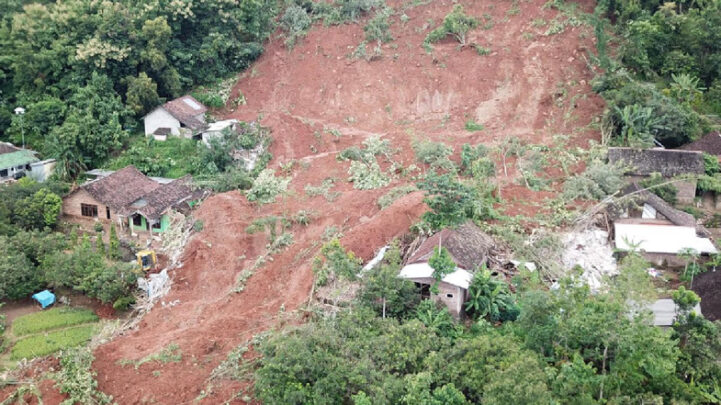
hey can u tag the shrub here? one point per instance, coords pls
(378, 27)
(44, 344)
(267, 187)
(198, 225)
(470, 154)
(456, 24)
(473, 126)
(53, 318)
(435, 154)
(123, 303)
(335, 261)
(295, 22)
(367, 176)
(598, 181)
(76, 378)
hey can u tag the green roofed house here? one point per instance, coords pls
(132, 200)
(15, 162)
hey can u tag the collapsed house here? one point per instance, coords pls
(184, 117)
(216, 129)
(132, 200)
(642, 163)
(469, 247)
(644, 222)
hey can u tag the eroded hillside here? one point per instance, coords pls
(317, 100)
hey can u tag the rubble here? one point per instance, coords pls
(590, 250)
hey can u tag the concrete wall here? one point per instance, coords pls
(454, 303)
(40, 171)
(686, 189)
(159, 118)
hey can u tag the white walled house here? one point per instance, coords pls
(184, 116)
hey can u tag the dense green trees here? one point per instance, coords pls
(76, 65)
(568, 346)
(667, 75)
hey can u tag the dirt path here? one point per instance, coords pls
(530, 86)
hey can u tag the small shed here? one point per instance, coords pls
(45, 298)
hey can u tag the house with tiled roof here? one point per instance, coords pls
(129, 199)
(469, 247)
(184, 116)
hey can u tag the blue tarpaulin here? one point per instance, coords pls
(45, 298)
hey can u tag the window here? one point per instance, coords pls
(89, 210)
(156, 226)
(4, 173)
(107, 212)
(449, 295)
(424, 290)
(137, 220)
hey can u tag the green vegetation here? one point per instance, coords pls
(434, 154)
(50, 342)
(266, 187)
(387, 199)
(76, 378)
(565, 346)
(211, 165)
(58, 317)
(85, 75)
(456, 24)
(471, 125)
(334, 263)
(169, 354)
(664, 83)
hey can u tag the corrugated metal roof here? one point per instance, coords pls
(459, 278)
(653, 238)
(19, 158)
(665, 311)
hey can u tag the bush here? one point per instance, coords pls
(123, 303)
(456, 24)
(295, 22)
(198, 225)
(435, 154)
(334, 261)
(378, 27)
(367, 176)
(77, 380)
(473, 126)
(598, 181)
(267, 187)
(44, 344)
(53, 318)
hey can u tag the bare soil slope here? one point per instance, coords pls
(318, 101)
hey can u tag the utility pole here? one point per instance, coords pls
(21, 112)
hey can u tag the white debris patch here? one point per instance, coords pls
(591, 251)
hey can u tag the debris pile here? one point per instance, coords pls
(590, 250)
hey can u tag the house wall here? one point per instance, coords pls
(164, 224)
(71, 208)
(159, 118)
(453, 303)
(12, 171)
(40, 171)
(686, 189)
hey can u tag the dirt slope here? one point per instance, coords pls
(530, 86)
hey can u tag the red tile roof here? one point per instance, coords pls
(185, 109)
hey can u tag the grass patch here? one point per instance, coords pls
(473, 126)
(54, 318)
(172, 158)
(44, 344)
(169, 354)
(390, 197)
